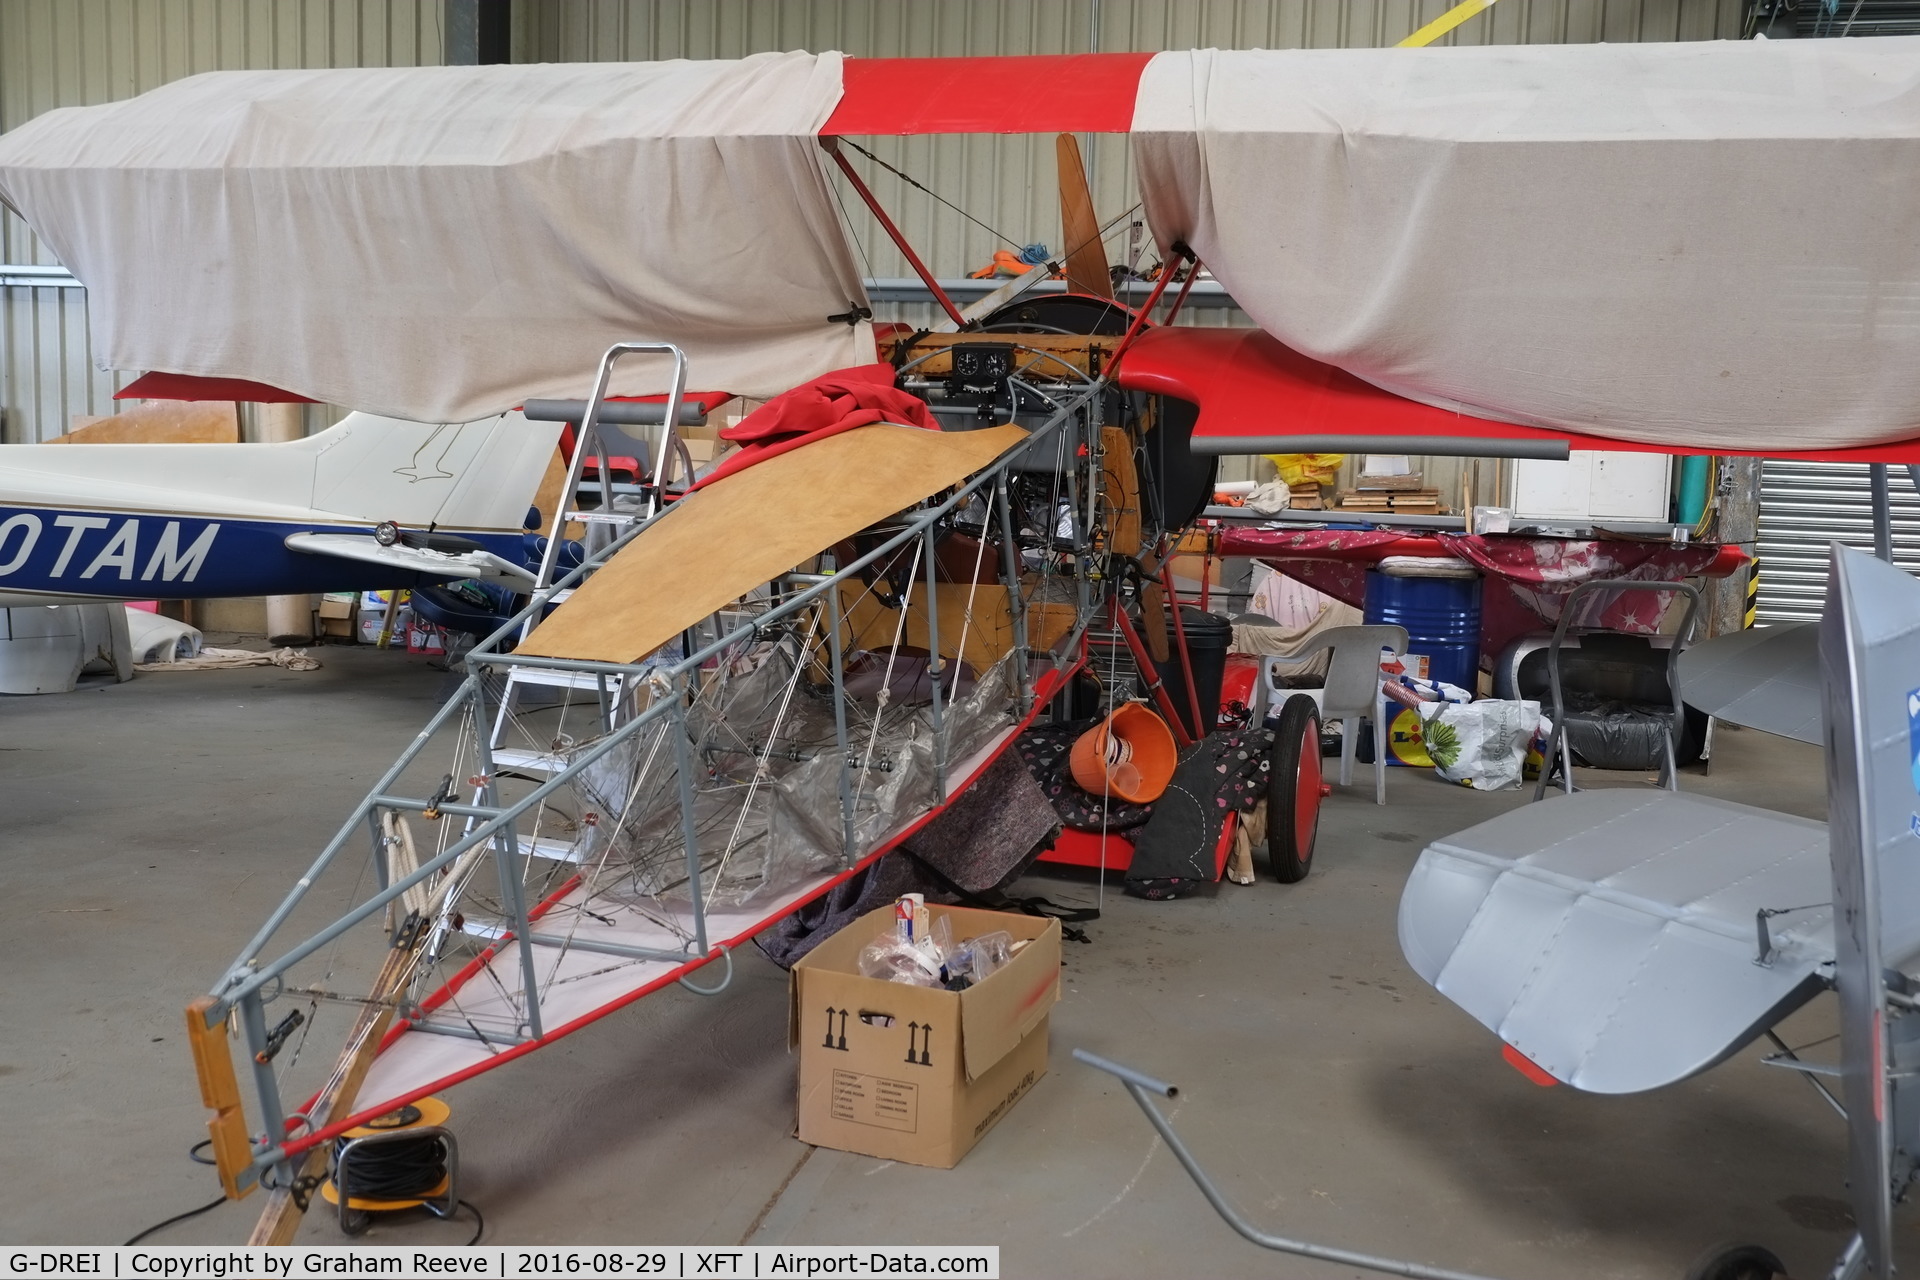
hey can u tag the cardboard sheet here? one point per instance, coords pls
(723, 541)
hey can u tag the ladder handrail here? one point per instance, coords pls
(585, 442)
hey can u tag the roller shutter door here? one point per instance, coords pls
(1806, 505)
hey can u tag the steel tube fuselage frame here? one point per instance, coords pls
(253, 980)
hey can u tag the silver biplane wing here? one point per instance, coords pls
(1766, 678)
(1612, 937)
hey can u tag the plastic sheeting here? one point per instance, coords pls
(443, 243)
(1701, 244)
(767, 821)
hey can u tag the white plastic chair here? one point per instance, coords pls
(1352, 690)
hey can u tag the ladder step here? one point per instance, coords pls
(552, 850)
(549, 678)
(526, 758)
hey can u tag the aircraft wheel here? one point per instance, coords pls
(1293, 790)
(1737, 1262)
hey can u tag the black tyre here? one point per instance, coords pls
(1293, 790)
(1737, 1262)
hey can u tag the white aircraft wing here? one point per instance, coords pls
(362, 547)
(1610, 936)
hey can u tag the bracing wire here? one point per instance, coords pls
(973, 589)
(917, 185)
(886, 680)
(763, 768)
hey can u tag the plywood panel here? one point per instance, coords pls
(725, 540)
(159, 422)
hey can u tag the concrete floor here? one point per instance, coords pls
(149, 827)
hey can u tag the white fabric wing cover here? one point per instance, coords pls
(443, 243)
(1701, 244)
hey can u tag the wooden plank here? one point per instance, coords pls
(723, 541)
(159, 422)
(1390, 483)
(213, 1064)
(1122, 485)
(280, 1220)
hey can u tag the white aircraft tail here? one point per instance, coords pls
(474, 475)
(477, 475)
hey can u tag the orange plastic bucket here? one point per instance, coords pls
(1130, 754)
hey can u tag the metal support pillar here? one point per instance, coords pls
(506, 851)
(683, 760)
(1882, 511)
(273, 1115)
(900, 241)
(1016, 597)
(934, 669)
(1737, 492)
(840, 724)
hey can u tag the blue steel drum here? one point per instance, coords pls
(1442, 618)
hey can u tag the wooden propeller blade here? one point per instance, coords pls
(1086, 256)
(1153, 621)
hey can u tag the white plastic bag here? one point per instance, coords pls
(1482, 744)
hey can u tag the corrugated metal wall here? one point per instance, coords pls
(71, 52)
(64, 53)
(1807, 506)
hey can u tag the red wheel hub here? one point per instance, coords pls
(1307, 789)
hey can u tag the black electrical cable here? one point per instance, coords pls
(384, 1171)
(479, 1223)
(178, 1217)
(401, 1169)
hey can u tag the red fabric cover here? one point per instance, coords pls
(1526, 579)
(866, 391)
(1248, 383)
(1036, 93)
(832, 403)
(187, 386)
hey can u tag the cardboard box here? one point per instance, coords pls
(424, 639)
(335, 615)
(374, 621)
(1406, 664)
(918, 1074)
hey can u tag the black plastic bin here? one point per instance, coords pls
(1209, 636)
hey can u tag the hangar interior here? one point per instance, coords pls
(1379, 590)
